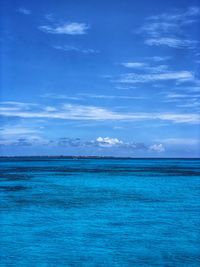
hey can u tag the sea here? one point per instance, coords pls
(95, 212)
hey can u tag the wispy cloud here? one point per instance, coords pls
(17, 135)
(95, 113)
(70, 28)
(84, 96)
(181, 96)
(110, 96)
(108, 142)
(191, 89)
(68, 48)
(169, 28)
(180, 76)
(159, 58)
(16, 130)
(157, 147)
(180, 141)
(172, 42)
(105, 143)
(183, 100)
(24, 11)
(182, 16)
(153, 72)
(16, 106)
(50, 17)
(134, 65)
(145, 66)
(29, 140)
(60, 96)
(195, 104)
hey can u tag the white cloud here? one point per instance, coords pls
(82, 96)
(192, 104)
(182, 16)
(18, 104)
(193, 10)
(71, 28)
(133, 65)
(100, 142)
(68, 48)
(180, 76)
(181, 141)
(16, 130)
(111, 96)
(172, 42)
(180, 118)
(181, 96)
(2, 109)
(125, 87)
(157, 69)
(193, 89)
(28, 140)
(184, 100)
(169, 28)
(145, 66)
(159, 58)
(108, 142)
(19, 135)
(49, 108)
(61, 97)
(82, 112)
(24, 11)
(155, 29)
(157, 148)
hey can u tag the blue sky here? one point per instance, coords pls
(116, 78)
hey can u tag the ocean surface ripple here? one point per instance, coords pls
(99, 212)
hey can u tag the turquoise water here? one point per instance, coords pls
(99, 212)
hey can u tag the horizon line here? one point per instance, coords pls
(93, 157)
